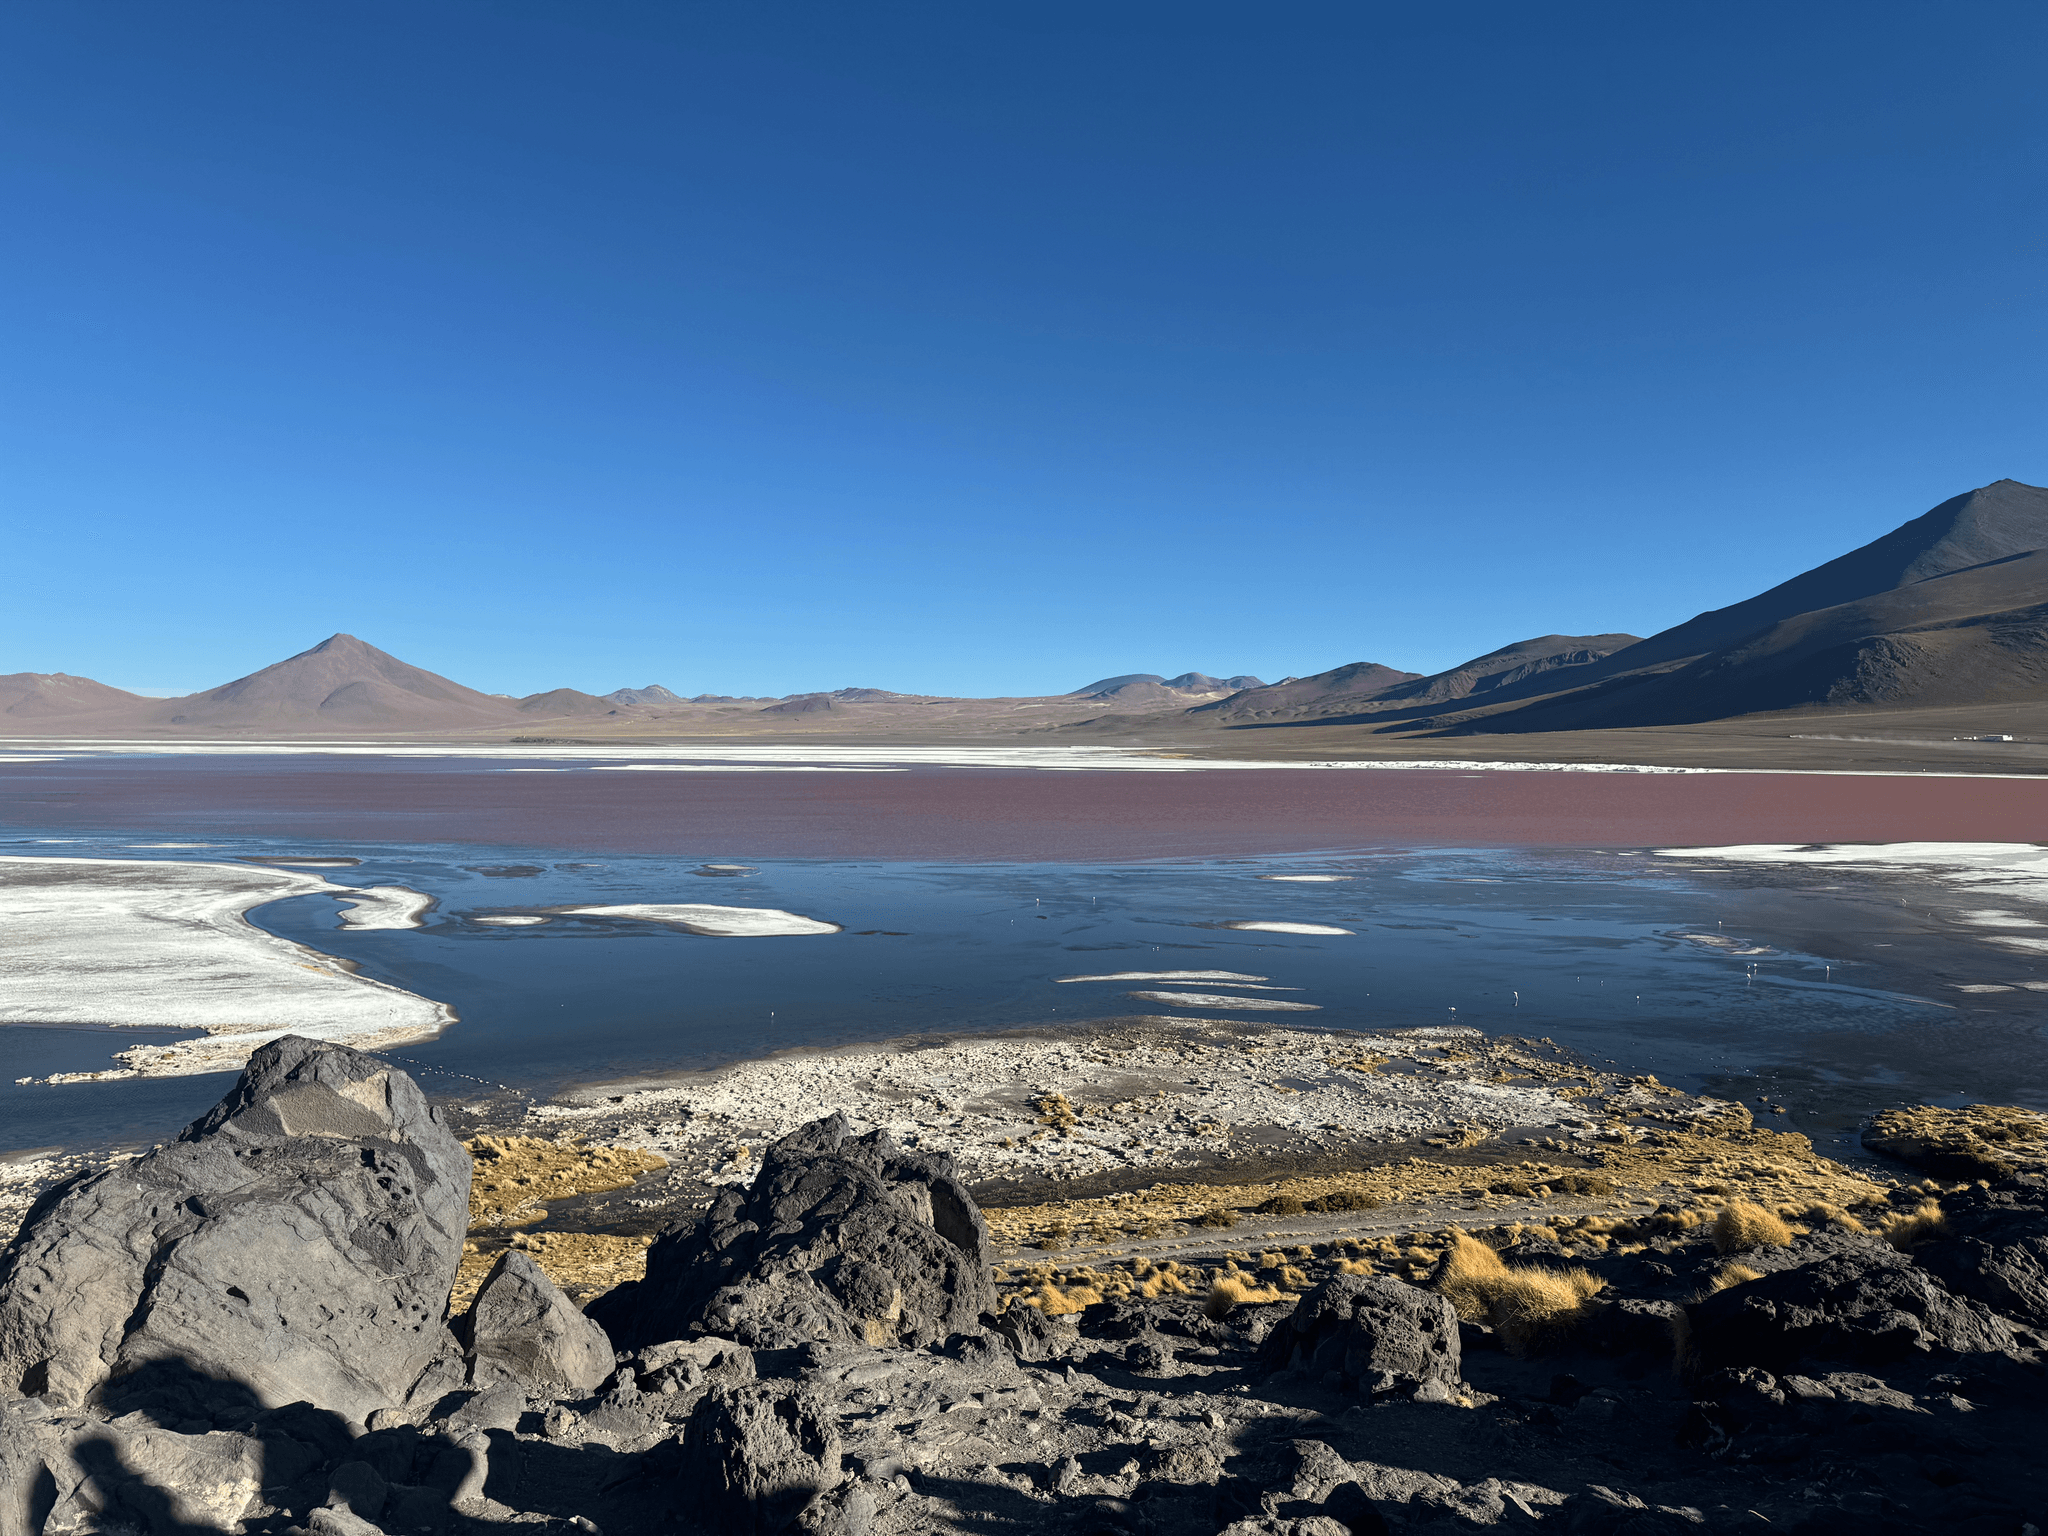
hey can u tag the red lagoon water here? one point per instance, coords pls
(999, 814)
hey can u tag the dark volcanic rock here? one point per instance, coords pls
(524, 1330)
(1868, 1305)
(1997, 1252)
(1034, 1336)
(838, 1239)
(1384, 1334)
(301, 1238)
(754, 1456)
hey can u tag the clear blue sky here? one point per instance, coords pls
(759, 347)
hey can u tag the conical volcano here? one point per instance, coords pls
(341, 683)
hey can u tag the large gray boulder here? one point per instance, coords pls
(1382, 1334)
(839, 1239)
(301, 1238)
(524, 1331)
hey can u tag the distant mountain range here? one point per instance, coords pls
(1948, 609)
(1151, 691)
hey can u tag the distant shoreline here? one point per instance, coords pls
(1793, 754)
(978, 804)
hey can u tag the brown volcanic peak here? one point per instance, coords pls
(2006, 517)
(1332, 692)
(340, 683)
(40, 695)
(1948, 609)
(557, 702)
(1506, 670)
(1976, 636)
(802, 704)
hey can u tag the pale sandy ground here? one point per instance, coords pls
(134, 942)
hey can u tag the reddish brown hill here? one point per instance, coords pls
(28, 696)
(341, 683)
(560, 702)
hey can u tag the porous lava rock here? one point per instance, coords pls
(1381, 1333)
(522, 1330)
(838, 1239)
(300, 1238)
(755, 1455)
(1862, 1305)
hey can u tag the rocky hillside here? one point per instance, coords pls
(249, 1330)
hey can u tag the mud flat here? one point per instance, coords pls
(144, 942)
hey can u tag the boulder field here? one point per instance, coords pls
(247, 1330)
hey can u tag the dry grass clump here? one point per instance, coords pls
(1281, 1205)
(1584, 1184)
(1527, 1304)
(1161, 1280)
(1344, 1200)
(1217, 1216)
(1054, 1238)
(1055, 1302)
(513, 1175)
(1730, 1274)
(1977, 1141)
(1235, 1289)
(1823, 1214)
(1742, 1224)
(1906, 1230)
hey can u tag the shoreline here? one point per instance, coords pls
(1133, 1143)
(1061, 1144)
(717, 754)
(158, 943)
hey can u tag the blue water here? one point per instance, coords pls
(1578, 946)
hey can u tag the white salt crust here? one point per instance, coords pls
(132, 942)
(1264, 927)
(712, 922)
(1222, 1000)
